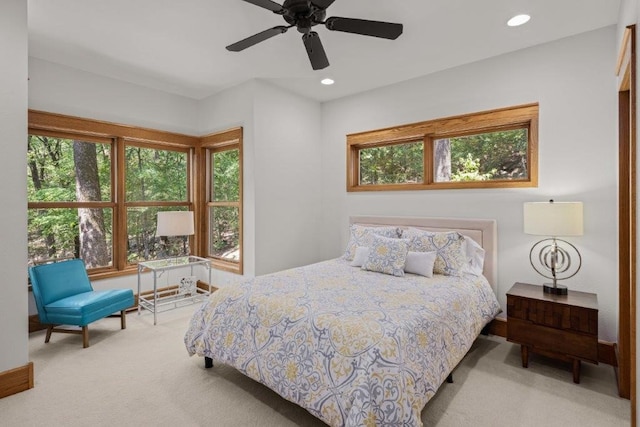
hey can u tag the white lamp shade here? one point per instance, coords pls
(553, 218)
(175, 223)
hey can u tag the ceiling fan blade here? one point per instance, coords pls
(385, 30)
(257, 38)
(267, 4)
(315, 51)
(322, 4)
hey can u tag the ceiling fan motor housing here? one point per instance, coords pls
(302, 14)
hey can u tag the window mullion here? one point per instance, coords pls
(120, 212)
(428, 160)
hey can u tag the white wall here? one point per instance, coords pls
(574, 82)
(60, 89)
(281, 173)
(13, 222)
(287, 179)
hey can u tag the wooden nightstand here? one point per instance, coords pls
(563, 327)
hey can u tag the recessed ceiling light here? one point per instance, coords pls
(518, 20)
(327, 81)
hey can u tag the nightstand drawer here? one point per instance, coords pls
(545, 338)
(554, 315)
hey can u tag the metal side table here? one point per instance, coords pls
(187, 291)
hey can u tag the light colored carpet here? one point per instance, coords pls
(143, 376)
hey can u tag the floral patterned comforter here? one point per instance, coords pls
(353, 347)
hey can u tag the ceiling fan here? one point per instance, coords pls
(304, 14)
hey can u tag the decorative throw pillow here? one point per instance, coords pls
(420, 263)
(362, 253)
(360, 235)
(451, 258)
(387, 255)
(475, 257)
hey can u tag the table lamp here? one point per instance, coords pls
(175, 223)
(554, 261)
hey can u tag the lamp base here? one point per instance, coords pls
(548, 288)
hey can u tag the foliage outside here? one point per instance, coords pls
(392, 164)
(224, 213)
(491, 156)
(153, 175)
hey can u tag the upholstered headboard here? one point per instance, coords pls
(483, 231)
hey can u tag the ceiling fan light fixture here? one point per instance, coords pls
(518, 20)
(327, 81)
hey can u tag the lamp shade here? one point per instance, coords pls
(175, 223)
(553, 218)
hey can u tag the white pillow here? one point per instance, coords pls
(362, 253)
(475, 256)
(451, 258)
(420, 263)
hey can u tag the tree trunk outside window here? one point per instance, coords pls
(93, 242)
(443, 160)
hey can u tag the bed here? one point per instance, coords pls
(354, 340)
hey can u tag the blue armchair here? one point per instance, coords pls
(64, 296)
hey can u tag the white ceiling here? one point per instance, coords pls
(178, 46)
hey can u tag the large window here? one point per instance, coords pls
(71, 209)
(94, 190)
(156, 179)
(223, 205)
(490, 149)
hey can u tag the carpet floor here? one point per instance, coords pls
(143, 376)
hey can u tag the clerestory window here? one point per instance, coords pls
(497, 148)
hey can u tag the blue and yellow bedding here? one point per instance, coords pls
(353, 347)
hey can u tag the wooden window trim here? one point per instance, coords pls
(216, 142)
(78, 125)
(487, 121)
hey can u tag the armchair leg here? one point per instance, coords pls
(123, 320)
(48, 337)
(85, 336)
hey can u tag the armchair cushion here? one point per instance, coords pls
(87, 307)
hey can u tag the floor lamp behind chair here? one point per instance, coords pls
(175, 223)
(554, 258)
